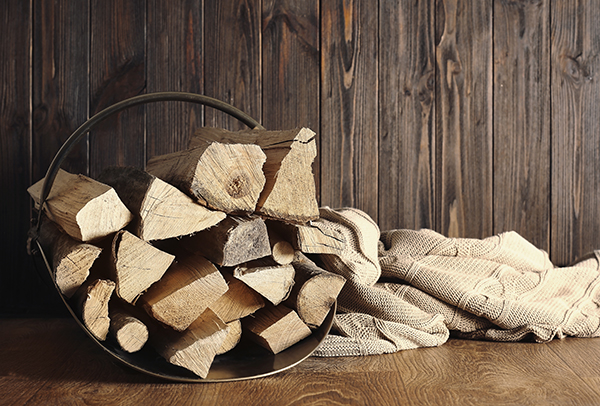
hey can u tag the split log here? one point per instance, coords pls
(223, 177)
(185, 291)
(129, 331)
(233, 241)
(239, 301)
(275, 328)
(234, 335)
(273, 281)
(314, 292)
(71, 260)
(289, 192)
(317, 237)
(136, 265)
(195, 348)
(84, 208)
(92, 298)
(161, 210)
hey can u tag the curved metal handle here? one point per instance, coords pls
(122, 105)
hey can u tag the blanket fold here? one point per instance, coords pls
(411, 288)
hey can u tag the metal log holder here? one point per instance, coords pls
(247, 360)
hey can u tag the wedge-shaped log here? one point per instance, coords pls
(92, 298)
(71, 259)
(225, 177)
(317, 237)
(130, 332)
(314, 292)
(84, 208)
(273, 281)
(161, 210)
(233, 241)
(195, 348)
(136, 265)
(186, 290)
(234, 335)
(289, 192)
(275, 328)
(239, 301)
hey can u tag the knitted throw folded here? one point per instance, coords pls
(407, 289)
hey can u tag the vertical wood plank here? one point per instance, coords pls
(575, 90)
(60, 82)
(522, 119)
(406, 115)
(464, 119)
(232, 59)
(349, 105)
(117, 72)
(290, 68)
(17, 277)
(174, 63)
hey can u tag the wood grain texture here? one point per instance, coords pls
(406, 116)
(575, 95)
(232, 59)
(117, 72)
(349, 109)
(174, 54)
(53, 362)
(522, 119)
(60, 82)
(464, 119)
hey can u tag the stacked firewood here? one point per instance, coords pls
(203, 247)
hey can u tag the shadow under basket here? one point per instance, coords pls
(247, 360)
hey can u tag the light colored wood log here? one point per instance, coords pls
(196, 347)
(289, 192)
(84, 208)
(317, 237)
(136, 265)
(273, 281)
(92, 298)
(233, 241)
(129, 331)
(185, 291)
(276, 328)
(234, 335)
(239, 301)
(314, 291)
(161, 210)
(225, 177)
(282, 251)
(71, 259)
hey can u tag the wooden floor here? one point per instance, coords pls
(50, 361)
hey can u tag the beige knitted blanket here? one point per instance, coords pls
(407, 289)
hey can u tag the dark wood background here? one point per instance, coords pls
(467, 117)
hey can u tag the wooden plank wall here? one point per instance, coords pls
(467, 117)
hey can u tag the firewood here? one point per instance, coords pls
(289, 192)
(282, 251)
(136, 265)
(84, 208)
(233, 241)
(185, 291)
(129, 331)
(71, 260)
(225, 177)
(271, 280)
(161, 210)
(196, 347)
(275, 328)
(317, 237)
(234, 335)
(239, 301)
(92, 299)
(314, 292)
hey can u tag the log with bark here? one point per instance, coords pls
(317, 237)
(130, 332)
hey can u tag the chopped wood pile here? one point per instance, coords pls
(204, 248)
